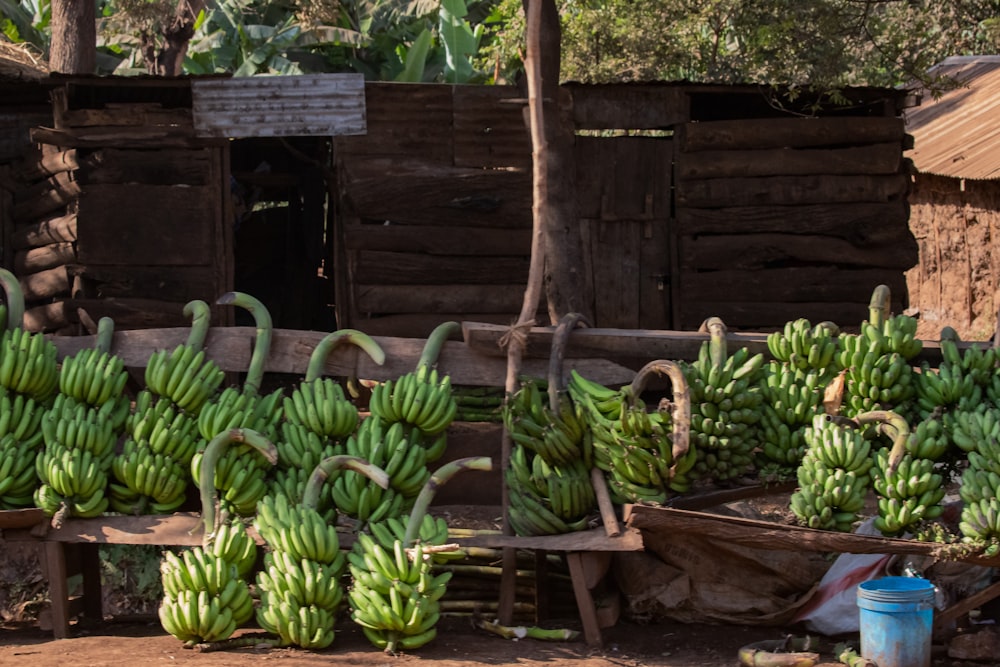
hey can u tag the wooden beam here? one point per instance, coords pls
(872, 159)
(750, 133)
(790, 190)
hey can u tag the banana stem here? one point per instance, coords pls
(432, 348)
(716, 329)
(105, 333)
(210, 459)
(878, 307)
(896, 423)
(439, 477)
(557, 353)
(14, 297)
(520, 632)
(201, 316)
(262, 343)
(322, 472)
(317, 360)
(680, 415)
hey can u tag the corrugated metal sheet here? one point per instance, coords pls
(958, 134)
(279, 106)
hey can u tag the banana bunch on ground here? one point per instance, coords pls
(20, 439)
(833, 476)
(74, 466)
(297, 530)
(532, 509)
(420, 399)
(389, 447)
(725, 407)
(28, 364)
(557, 435)
(907, 495)
(185, 375)
(394, 593)
(791, 398)
(204, 597)
(432, 532)
(803, 347)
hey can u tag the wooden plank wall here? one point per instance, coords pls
(784, 218)
(436, 216)
(957, 280)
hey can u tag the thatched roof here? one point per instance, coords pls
(19, 61)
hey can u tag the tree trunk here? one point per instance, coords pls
(566, 287)
(176, 38)
(74, 37)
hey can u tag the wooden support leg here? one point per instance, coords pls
(584, 600)
(55, 572)
(90, 566)
(542, 593)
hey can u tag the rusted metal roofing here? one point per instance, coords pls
(279, 106)
(958, 134)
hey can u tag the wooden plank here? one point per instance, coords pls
(55, 572)
(155, 225)
(46, 197)
(790, 190)
(584, 600)
(762, 133)
(156, 137)
(178, 284)
(45, 284)
(439, 298)
(49, 256)
(775, 536)
(884, 158)
(439, 239)
(761, 315)
(759, 251)
(162, 167)
(623, 178)
(614, 255)
(628, 107)
(654, 275)
(41, 164)
(420, 325)
(23, 518)
(131, 313)
(489, 127)
(143, 115)
(402, 268)
(179, 529)
(231, 348)
(859, 223)
(53, 229)
(790, 285)
(594, 539)
(405, 191)
(48, 317)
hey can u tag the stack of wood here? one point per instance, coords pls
(790, 217)
(42, 244)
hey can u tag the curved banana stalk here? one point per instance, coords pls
(567, 323)
(323, 349)
(213, 452)
(775, 653)
(322, 472)
(105, 335)
(439, 477)
(14, 297)
(432, 348)
(262, 344)
(201, 315)
(680, 409)
(716, 328)
(879, 306)
(897, 425)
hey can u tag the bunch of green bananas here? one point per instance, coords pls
(907, 495)
(300, 589)
(20, 438)
(420, 399)
(596, 401)
(929, 440)
(803, 347)
(967, 428)
(391, 448)
(74, 465)
(979, 490)
(301, 448)
(432, 531)
(321, 406)
(979, 361)
(900, 335)
(204, 598)
(948, 387)
(833, 476)
(557, 435)
(93, 376)
(537, 506)
(725, 407)
(164, 427)
(147, 481)
(28, 364)
(875, 379)
(791, 397)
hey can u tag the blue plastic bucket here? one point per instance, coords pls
(897, 615)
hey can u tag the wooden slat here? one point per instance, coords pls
(439, 298)
(752, 133)
(178, 284)
(654, 275)
(155, 225)
(53, 229)
(586, 540)
(769, 535)
(759, 315)
(132, 114)
(628, 107)
(616, 274)
(758, 251)
(439, 239)
(790, 285)
(790, 190)
(859, 223)
(45, 284)
(164, 167)
(49, 256)
(46, 197)
(131, 313)
(157, 137)
(42, 164)
(48, 317)
(873, 159)
(400, 268)
(420, 325)
(489, 128)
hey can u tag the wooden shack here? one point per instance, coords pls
(692, 200)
